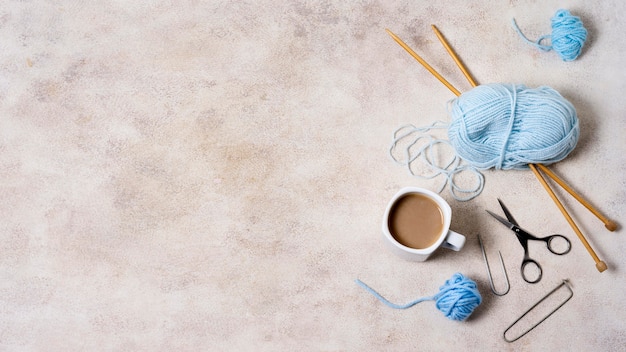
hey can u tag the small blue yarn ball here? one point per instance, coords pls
(568, 35)
(508, 126)
(458, 297)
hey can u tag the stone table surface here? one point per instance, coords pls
(212, 175)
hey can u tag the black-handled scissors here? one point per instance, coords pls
(524, 236)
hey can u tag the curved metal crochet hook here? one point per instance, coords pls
(493, 289)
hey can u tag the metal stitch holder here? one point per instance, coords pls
(493, 289)
(564, 283)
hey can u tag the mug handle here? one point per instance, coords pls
(454, 241)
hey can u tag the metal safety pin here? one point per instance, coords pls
(493, 289)
(564, 283)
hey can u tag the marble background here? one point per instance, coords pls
(211, 175)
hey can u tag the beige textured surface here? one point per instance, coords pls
(192, 176)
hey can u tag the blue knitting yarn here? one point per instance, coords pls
(568, 35)
(507, 126)
(457, 298)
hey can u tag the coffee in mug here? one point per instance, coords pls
(417, 222)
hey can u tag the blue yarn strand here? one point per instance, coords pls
(420, 148)
(387, 302)
(567, 39)
(457, 298)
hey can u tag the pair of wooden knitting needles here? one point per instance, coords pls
(610, 225)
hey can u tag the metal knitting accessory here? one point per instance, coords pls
(564, 283)
(493, 289)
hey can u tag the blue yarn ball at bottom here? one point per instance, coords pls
(458, 297)
(508, 126)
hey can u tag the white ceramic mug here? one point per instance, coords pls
(446, 238)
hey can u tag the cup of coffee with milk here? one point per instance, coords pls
(417, 223)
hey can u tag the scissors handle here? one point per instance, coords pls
(527, 261)
(560, 241)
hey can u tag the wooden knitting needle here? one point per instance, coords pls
(424, 63)
(453, 55)
(600, 265)
(610, 225)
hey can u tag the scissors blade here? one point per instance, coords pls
(506, 223)
(507, 213)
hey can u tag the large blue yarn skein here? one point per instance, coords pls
(507, 126)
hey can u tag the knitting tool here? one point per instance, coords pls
(565, 109)
(609, 224)
(493, 289)
(524, 236)
(424, 63)
(600, 265)
(568, 36)
(457, 298)
(453, 55)
(571, 294)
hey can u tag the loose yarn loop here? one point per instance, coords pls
(567, 38)
(420, 147)
(509, 126)
(456, 299)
